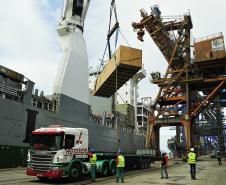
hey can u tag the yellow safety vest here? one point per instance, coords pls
(93, 159)
(121, 161)
(191, 158)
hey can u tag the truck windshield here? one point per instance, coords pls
(47, 142)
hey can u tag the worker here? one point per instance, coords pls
(164, 166)
(120, 163)
(192, 162)
(219, 158)
(92, 161)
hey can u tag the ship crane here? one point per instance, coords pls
(73, 15)
(71, 80)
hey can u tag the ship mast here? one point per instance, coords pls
(72, 76)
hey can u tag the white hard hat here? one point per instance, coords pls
(192, 150)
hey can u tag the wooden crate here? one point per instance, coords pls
(210, 48)
(120, 68)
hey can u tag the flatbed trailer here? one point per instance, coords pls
(58, 152)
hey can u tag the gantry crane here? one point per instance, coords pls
(177, 102)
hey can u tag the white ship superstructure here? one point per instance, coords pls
(128, 93)
(143, 112)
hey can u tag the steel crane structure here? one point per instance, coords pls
(189, 86)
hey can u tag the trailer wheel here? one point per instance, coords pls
(142, 164)
(149, 163)
(146, 163)
(75, 171)
(113, 168)
(105, 169)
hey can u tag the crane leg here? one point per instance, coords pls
(187, 130)
(156, 135)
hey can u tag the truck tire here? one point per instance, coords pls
(112, 169)
(148, 163)
(75, 171)
(105, 169)
(142, 164)
(145, 163)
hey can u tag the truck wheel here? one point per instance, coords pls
(142, 164)
(113, 168)
(75, 171)
(146, 161)
(105, 169)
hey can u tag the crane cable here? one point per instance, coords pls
(111, 31)
(116, 28)
(118, 31)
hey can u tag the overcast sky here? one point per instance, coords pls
(29, 42)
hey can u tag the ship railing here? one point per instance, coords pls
(108, 122)
(209, 37)
(44, 103)
(6, 90)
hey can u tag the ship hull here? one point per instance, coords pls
(18, 120)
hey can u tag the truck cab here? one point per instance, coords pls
(57, 152)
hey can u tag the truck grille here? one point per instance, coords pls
(42, 163)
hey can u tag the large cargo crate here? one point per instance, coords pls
(120, 68)
(211, 47)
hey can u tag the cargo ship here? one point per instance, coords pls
(23, 109)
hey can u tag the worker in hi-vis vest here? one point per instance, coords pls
(120, 164)
(192, 162)
(93, 161)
